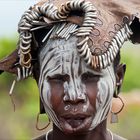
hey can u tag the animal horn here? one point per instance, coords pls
(8, 64)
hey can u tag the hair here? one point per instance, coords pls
(117, 61)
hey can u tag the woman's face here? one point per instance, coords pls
(76, 97)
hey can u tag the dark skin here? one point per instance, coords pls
(100, 132)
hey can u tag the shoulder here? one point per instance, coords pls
(117, 137)
(42, 137)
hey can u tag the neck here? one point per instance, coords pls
(99, 133)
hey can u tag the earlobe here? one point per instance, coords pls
(120, 72)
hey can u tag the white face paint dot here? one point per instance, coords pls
(85, 108)
(67, 107)
(75, 109)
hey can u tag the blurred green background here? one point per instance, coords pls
(20, 125)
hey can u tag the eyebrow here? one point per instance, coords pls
(93, 72)
(59, 76)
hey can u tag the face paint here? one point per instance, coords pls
(67, 107)
(45, 97)
(74, 90)
(57, 61)
(60, 57)
(106, 86)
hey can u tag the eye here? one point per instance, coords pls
(90, 77)
(58, 78)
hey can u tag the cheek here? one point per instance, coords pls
(105, 93)
(91, 91)
(57, 93)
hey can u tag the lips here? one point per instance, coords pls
(75, 122)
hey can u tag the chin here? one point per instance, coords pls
(75, 124)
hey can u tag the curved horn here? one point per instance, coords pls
(135, 27)
(8, 63)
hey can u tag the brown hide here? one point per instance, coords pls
(111, 12)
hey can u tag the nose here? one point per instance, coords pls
(74, 92)
(75, 100)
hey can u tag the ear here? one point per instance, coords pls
(42, 109)
(8, 64)
(120, 72)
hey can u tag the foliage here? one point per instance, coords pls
(128, 125)
(6, 46)
(131, 57)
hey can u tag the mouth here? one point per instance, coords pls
(75, 123)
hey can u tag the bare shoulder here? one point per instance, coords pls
(117, 137)
(42, 137)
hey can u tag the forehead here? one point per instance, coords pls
(60, 56)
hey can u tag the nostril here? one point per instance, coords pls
(66, 98)
(75, 100)
(80, 100)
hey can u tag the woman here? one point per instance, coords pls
(73, 52)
